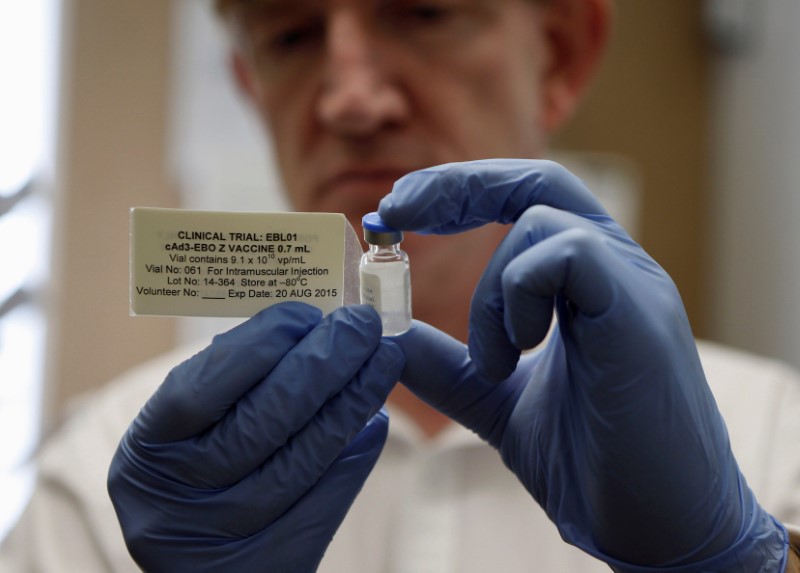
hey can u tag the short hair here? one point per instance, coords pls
(223, 6)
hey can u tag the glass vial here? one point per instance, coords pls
(385, 279)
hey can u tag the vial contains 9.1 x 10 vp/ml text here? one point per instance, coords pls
(385, 279)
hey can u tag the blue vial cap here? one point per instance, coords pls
(376, 232)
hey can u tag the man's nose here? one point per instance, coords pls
(358, 97)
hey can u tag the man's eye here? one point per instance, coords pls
(430, 12)
(294, 38)
(428, 15)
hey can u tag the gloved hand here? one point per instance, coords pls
(611, 426)
(249, 455)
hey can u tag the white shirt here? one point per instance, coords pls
(439, 506)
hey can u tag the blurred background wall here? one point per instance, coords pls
(112, 149)
(754, 270)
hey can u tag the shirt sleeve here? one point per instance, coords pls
(759, 399)
(69, 524)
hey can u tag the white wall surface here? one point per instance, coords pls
(755, 274)
(218, 153)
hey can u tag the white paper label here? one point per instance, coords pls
(371, 290)
(211, 263)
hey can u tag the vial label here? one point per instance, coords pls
(371, 290)
(211, 263)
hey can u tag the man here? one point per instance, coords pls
(402, 88)
(258, 471)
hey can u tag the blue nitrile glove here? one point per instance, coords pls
(249, 455)
(611, 426)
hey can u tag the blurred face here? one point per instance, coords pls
(356, 93)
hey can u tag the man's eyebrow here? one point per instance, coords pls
(273, 5)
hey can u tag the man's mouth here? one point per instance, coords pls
(372, 182)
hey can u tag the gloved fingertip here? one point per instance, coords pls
(494, 354)
(370, 439)
(417, 332)
(392, 214)
(297, 317)
(294, 309)
(395, 358)
(492, 373)
(402, 207)
(493, 363)
(386, 206)
(380, 418)
(528, 331)
(363, 311)
(361, 316)
(417, 342)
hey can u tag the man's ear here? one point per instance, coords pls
(244, 76)
(576, 32)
